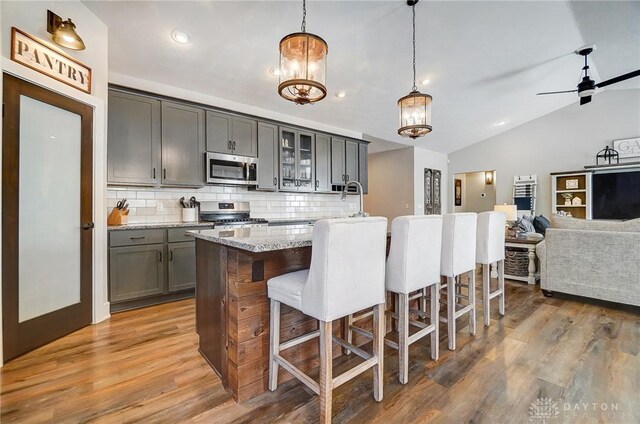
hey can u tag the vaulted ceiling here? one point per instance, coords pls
(485, 60)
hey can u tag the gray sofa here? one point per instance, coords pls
(596, 259)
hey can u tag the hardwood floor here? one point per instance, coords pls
(143, 366)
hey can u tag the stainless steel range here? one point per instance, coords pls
(230, 215)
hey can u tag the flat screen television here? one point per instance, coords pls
(616, 195)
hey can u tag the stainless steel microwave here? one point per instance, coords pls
(231, 169)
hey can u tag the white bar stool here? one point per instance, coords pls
(490, 249)
(414, 264)
(459, 257)
(346, 275)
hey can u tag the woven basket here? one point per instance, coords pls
(516, 262)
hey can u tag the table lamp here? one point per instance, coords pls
(511, 212)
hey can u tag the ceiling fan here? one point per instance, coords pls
(587, 86)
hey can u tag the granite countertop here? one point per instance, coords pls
(293, 221)
(259, 239)
(154, 225)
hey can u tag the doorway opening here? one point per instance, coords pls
(474, 191)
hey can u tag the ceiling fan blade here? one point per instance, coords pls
(556, 92)
(585, 100)
(619, 79)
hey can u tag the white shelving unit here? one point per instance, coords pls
(561, 183)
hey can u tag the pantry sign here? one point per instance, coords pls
(33, 53)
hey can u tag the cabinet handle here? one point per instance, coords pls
(234, 145)
(317, 183)
(137, 238)
(342, 177)
(275, 181)
(170, 255)
(346, 178)
(229, 145)
(159, 255)
(164, 171)
(154, 173)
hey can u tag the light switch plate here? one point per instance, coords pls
(159, 207)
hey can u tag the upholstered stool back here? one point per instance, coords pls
(458, 243)
(347, 267)
(414, 257)
(490, 237)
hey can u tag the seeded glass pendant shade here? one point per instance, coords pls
(415, 107)
(303, 66)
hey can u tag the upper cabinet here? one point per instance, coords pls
(297, 160)
(323, 162)
(133, 154)
(231, 134)
(268, 154)
(337, 161)
(182, 144)
(351, 161)
(363, 161)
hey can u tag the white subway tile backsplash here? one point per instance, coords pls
(144, 201)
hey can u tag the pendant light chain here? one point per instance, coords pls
(413, 8)
(303, 27)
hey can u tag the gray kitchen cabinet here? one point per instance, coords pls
(297, 160)
(323, 162)
(219, 127)
(136, 272)
(351, 160)
(183, 138)
(268, 154)
(337, 160)
(181, 268)
(134, 152)
(231, 134)
(363, 160)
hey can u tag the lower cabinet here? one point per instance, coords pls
(136, 271)
(182, 266)
(152, 266)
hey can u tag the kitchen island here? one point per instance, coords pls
(232, 307)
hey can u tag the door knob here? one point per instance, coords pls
(88, 226)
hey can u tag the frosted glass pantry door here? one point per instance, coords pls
(49, 211)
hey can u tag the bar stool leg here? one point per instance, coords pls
(347, 332)
(378, 350)
(435, 320)
(451, 312)
(326, 372)
(403, 338)
(423, 300)
(486, 289)
(501, 286)
(396, 309)
(472, 301)
(274, 343)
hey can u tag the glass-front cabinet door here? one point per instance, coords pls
(306, 162)
(288, 159)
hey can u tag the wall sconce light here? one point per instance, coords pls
(488, 177)
(63, 32)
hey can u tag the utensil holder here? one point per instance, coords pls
(189, 215)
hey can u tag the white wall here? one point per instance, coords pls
(564, 140)
(31, 18)
(477, 196)
(390, 184)
(424, 158)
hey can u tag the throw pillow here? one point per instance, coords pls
(540, 223)
(525, 225)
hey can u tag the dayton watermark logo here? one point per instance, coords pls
(543, 409)
(546, 411)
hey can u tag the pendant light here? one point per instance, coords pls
(303, 65)
(415, 107)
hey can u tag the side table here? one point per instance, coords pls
(530, 243)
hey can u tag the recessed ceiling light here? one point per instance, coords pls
(180, 36)
(340, 94)
(425, 81)
(274, 72)
(499, 124)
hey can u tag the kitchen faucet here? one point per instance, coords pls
(361, 213)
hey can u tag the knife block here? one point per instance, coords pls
(117, 217)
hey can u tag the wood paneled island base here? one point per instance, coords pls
(232, 315)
